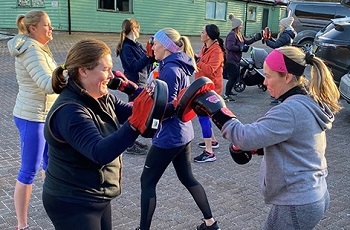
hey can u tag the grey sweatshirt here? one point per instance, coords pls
(294, 168)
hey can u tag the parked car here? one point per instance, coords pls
(344, 87)
(332, 45)
(310, 17)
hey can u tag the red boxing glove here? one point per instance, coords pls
(121, 83)
(142, 106)
(149, 50)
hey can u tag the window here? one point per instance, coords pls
(30, 3)
(251, 13)
(115, 5)
(215, 10)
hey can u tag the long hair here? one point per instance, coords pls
(127, 26)
(321, 85)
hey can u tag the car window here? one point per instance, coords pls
(314, 12)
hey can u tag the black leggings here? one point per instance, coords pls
(156, 163)
(78, 215)
(232, 71)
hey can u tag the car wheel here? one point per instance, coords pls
(306, 45)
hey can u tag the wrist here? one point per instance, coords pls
(222, 116)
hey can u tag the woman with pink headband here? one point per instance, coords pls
(293, 137)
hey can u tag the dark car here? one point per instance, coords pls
(332, 44)
(310, 17)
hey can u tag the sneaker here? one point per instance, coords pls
(228, 98)
(205, 157)
(136, 150)
(275, 102)
(214, 144)
(215, 226)
(141, 145)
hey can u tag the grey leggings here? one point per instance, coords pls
(296, 217)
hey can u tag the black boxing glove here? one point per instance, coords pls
(212, 104)
(121, 83)
(244, 48)
(241, 156)
(257, 36)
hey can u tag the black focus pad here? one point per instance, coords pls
(239, 156)
(184, 109)
(160, 97)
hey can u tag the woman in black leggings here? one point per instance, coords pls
(172, 142)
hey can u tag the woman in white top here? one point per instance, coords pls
(34, 65)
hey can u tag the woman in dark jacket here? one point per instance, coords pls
(136, 65)
(235, 44)
(86, 140)
(285, 36)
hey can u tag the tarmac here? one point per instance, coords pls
(232, 189)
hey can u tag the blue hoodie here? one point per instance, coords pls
(175, 70)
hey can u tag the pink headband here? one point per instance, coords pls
(279, 62)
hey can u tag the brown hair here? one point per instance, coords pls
(127, 26)
(85, 53)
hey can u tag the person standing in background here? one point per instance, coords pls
(210, 64)
(136, 65)
(285, 38)
(235, 45)
(34, 65)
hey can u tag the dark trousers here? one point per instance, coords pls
(157, 161)
(78, 215)
(232, 71)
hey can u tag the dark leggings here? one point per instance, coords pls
(77, 215)
(156, 163)
(232, 71)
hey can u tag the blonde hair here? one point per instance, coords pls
(20, 24)
(31, 18)
(321, 85)
(85, 53)
(181, 41)
(127, 26)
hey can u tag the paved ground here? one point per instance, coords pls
(232, 189)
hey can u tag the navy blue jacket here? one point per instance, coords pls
(135, 62)
(285, 39)
(175, 70)
(85, 141)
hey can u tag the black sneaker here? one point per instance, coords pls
(228, 98)
(215, 226)
(205, 157)
(136, 150)
(141, 145)
(214, 144)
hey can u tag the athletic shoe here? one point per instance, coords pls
(142, 146)
(228, 98)
(214, 144)
(205, 157)
(136, 150)
(215, 226)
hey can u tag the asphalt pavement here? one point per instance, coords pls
(232, 189)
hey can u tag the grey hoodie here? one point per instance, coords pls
(294, 168)
(34, 65)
